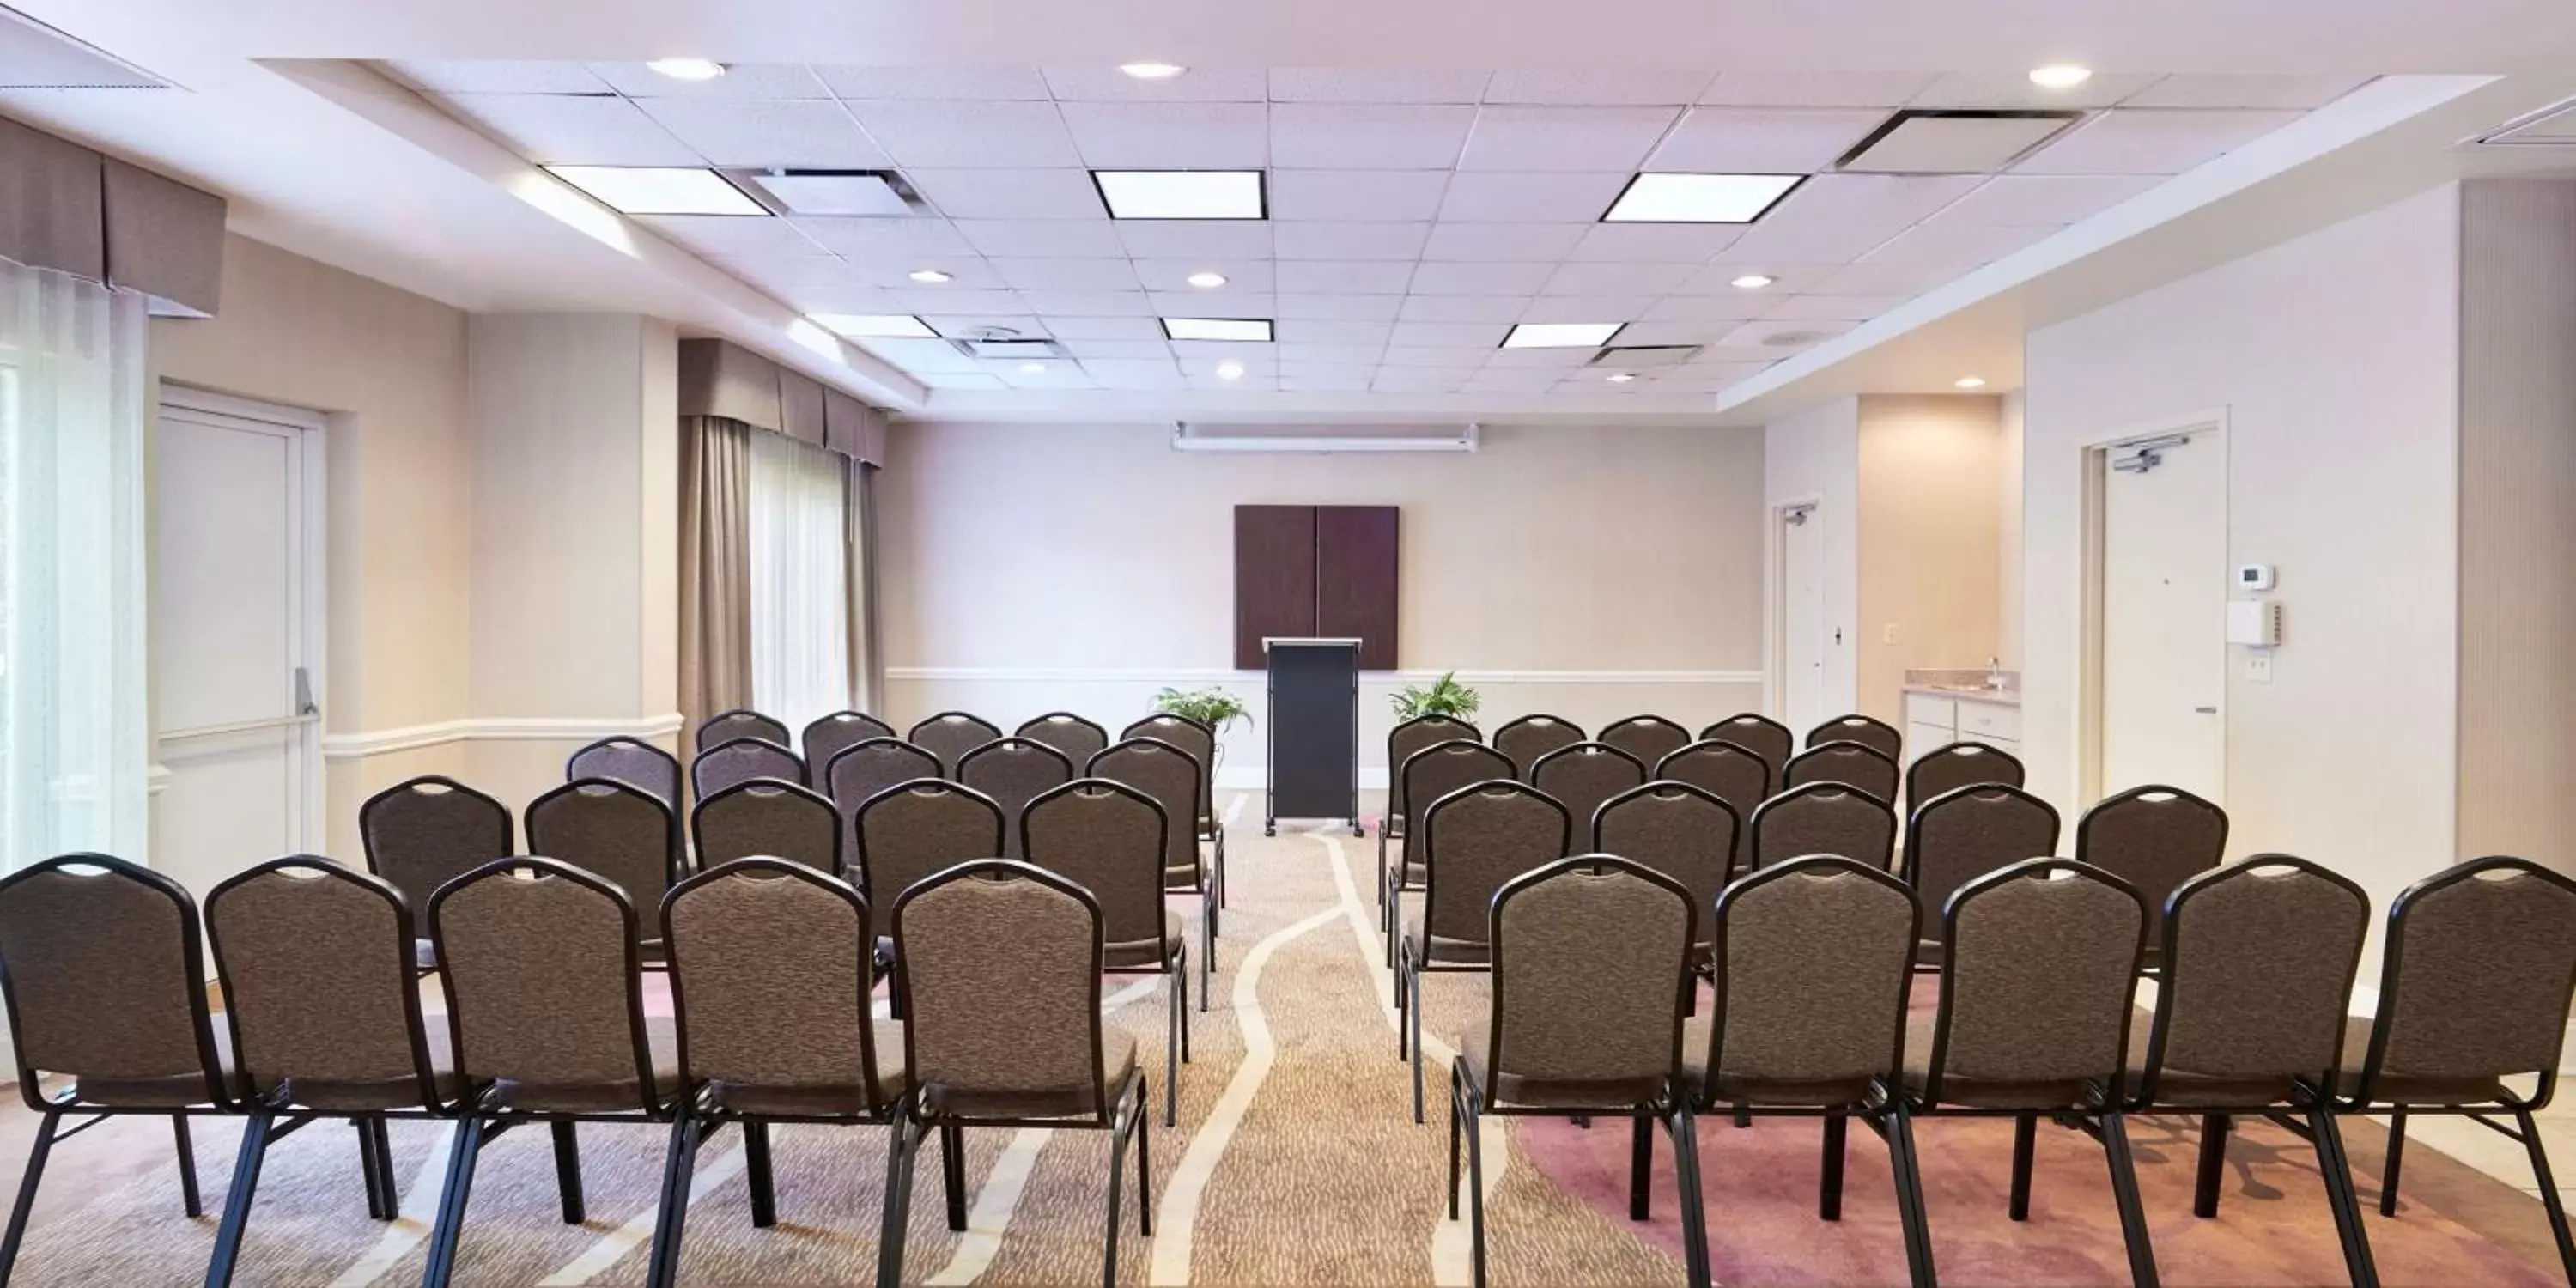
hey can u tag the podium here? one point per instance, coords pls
(1314, 731)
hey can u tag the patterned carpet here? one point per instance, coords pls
(1295, 1162)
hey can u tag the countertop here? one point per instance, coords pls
(1968, 693)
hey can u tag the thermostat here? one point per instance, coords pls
(2253, 576)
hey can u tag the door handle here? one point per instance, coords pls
(2206, 711)
(304, 703)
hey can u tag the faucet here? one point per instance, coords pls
(1994, 673)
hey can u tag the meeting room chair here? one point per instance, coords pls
(1474, 840)
(1426, 776)
(1530, 737)
(1648, 738)
(830, 735)
(2039, 964)
(631, 761)
(742, 722)
(913, 830)
(423, 832)
(1583, 776)
(1013, 771)
(1077, 738)
(1002, 971)
(2154, 838)
(950, 735)
(1402, 741)
(766, 817)
(1171, 777)
(740, 761)
(2249, 1019)
(2474, 989)
(1960, 764)
(1877, 735)
(859, 772)
(610, 830)
(1812, 976)
(1730, 772)
(315, 963)
(1961, 835)
(1685, 832)
(770, 1002)
(1849, 763)
(1764, 737)
(100, 971)
(1104, 837)
(545, 1012)
(1591, 980)
(1824, 818)
(1200, 742)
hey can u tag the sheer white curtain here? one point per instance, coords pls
(800, 618)
(74, 748)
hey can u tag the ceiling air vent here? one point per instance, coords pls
(1191, 437)
(1637, 356)
(35, 56)
(836, 192)
(1953, 142)
(2551, 126)
(1002, 344)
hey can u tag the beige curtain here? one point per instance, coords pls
(859, 508)
(715, 570)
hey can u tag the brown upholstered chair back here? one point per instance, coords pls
(739, 723)
(1108, 838)
(1824, 818)
(1530, 737)
(2258, 965)
(1171, 777)
(1013, 771)
(99, 959)
(2154, 838)
(741, 761)
(1001, 983)
(1591, 957)
(1958, 836)
(1476, 839)
(1190, 736)
(761, 817)
(424, 832)
(1648, 738)
(1677, 829)
(2039, 967)
(1583, 776)
(317, 970)
(1814, 959)
(950, 735)
(830, 735)
(1876, 735)
(860, 771)
(1730, 772)
(1849, 763)
(631, 761)
(917, 829)
(1414, 735)
(1444, 767)
(1960, 764)
(1760, 735)
(771, 972)
(608, 829)
(2481, 961)
(543, 1000)
(1077, 738)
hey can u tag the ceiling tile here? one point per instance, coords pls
(1092, 304)
(574, 130)
(1170, 136)
(1954, 248)
(1623, 87)
(927, 301)
(1557, 358)
(1292, 353)
(1512, 380)
(1010, 194)
(1587, 308)
(934, 82)
(1832, 308)
(1803, 88)
(1719, 140)
(498, 76)
(1768, 335)
(1463, 308)
(1881, 279)
(1195, 238)
(884, 239)
(1350, 240)
(1616, 279)
(1337, 382)
(2151, 141)
(1381, 195)
(1241, 275)
(1136, 373)
(1936, 143)
(812, 283)
(1095, 84)
(1466, 335)
(967, 274)
(1044, 238)
(2300, 93)
(741, 80)
(1334, 136)
(1419, 380)
(960, 380)
(1201, 357)
(1339, 308)
(978, 135)
(1481, 277)
(963, 326)
(1655, 243)
(1040, 374)
(1564, 138)
(1455, 357)
(811, 133)
(2015, 90)
(1373, 85)
(1213, 304)
(2044, 198)
(1495, 197)
(1349, 276)
(1656, 334)
(1139, 329)
(1297, 330)
(920, 356)
(1251, 383)
(729, 235)
(1094, 350)
(1493, 242)
(1786, 278)
(1068, 274)
(1807, 241)
(1837, 217)
(1740, 306)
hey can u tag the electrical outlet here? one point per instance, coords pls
(1888, 636)
(2258, 667)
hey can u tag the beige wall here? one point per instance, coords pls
(1930, 474)
(2333, 359)
(1595, 573)
(2008, 533)
(1815, 456)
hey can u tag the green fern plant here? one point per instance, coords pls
(1215, 708)
(1442, 697)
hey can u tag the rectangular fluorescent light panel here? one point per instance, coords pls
(659, 190)
(1561, 335)
(1698, 198)
(1182, 194)
(877, 326)
(1253, 329)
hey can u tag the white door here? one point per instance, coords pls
(1802, 618)
(235, 638)
(2164, 611)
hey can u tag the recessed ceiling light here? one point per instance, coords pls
(1561, 335)
(2060, 76)
(1229, 371)
(1620, 377)
(659, 190)
(930, 275)
(1032, 368)
(688, 69)
(1969, 382)
(1207, 281)
(1753, 281)
(1256, 330)
(876, 326)
(1182, 194)
(1698, 198)
(1152, 71)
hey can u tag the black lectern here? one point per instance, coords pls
(1314, 731)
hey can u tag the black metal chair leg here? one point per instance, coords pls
(1641, 1165)
(568, 1170)
(1907, 1170)
(1175, 994)
(756, 1170)
(1413, 1016)
(189, 1198)
(385, 1183)
(2213, 1165)
(2025, 1143)
(1182, 979)
(1144, 1162)
(1829, 1185)
(952, 1172)
(1476, 1184)
(228, 1234)
(378, 1202)
(679, 1163)
(1455, 1113)
(453, 1198)
(2336, 1170)
(2550, 1202)
(1381, 864)
(1207, 949)
(1687, 1192)
(1117, 1177)
(906, 1138)
(2396, 1154)
(2133, 1214)
(26, 1203)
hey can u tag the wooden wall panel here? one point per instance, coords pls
(1355, 579)
(1274, 578)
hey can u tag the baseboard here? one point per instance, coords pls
(1212, 675)
(341, 746)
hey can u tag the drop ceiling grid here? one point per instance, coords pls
(1414, 303)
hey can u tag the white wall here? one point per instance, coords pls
(1929, 482)
(2334, 360)
(1815, 456)
(1593, 573)
(2008, 502)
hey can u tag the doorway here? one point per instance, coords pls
(1800, 539)
(237, 634)
(2159, 577)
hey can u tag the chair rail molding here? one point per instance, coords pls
(1222, 675)
(377, 742)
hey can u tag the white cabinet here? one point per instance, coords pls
(1921, 738)
(1933, 721)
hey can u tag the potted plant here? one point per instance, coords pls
(1442, 697)
(1213, 707)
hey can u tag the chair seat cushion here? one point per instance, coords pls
(1986, 1093)
(612, 1096)
(377, 1093)
(1117, 1061)
(167, 1091)
(851, 1099)
(2394, 1086)
(1137, 954)
(2182, 1089)
(1475, 1054)
(1440, 950)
